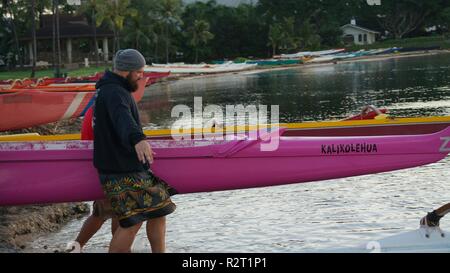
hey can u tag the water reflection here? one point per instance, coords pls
(317, 93)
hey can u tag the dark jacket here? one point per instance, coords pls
(117, 128)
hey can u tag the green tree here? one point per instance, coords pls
(10, 8)
(309, 39)
(171, 11)
(89, 9)
(144, 31)
(136, 33)
(283, 35)
(443, 21)
(275, 37)
(402, 17)
(33, 35)
(291, 39)
(114, 13)
(198, 34)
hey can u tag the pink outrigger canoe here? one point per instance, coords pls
(53, 172)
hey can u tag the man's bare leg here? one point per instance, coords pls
(123, 239)
(114, 225)
(90, 227)
(156, 234)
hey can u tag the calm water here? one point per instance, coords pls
(311, 216)
(407, 86)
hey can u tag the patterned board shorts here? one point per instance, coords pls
(137, 197)
(102, 209)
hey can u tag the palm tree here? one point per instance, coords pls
(275, 37)
(137, 32)
(56, 38)
(291, 41)
(199, 34)
(89, 7)
(114, 12)
(308, 35)
(33, 34)
(9, 7)
(156, 25)
(170, 11)
(154, 34)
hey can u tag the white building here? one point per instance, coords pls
(359, 35)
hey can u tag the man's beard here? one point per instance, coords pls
(134, 84)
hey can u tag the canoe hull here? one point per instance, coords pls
(198, 70)
(30, 108)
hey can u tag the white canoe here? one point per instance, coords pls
(422, 240)
(313, 53)
(185, 69)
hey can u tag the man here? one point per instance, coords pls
(122, 157)
(102, 210)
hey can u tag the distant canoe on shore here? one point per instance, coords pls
(182, 68)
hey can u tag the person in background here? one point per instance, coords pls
(102, 210)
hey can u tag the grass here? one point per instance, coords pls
(428, 41)
(21, 74)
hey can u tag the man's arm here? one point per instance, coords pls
(129, 132)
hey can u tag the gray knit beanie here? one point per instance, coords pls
(129, 60)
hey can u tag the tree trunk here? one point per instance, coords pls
(94, 24)
(167, 44)
(118, 40)
(16, 38)
(58, 42)
(114, 42)
(114, 46)
(54, 35)
(196, 54)
(33, 34)
(137, 42)
(156, 49)
(274, 50)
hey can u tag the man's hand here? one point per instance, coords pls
(144, 152)
(142, 82)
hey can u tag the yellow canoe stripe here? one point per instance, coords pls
(298, 126)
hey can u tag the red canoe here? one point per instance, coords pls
(30, 108)
(34, 107)
(7, 85)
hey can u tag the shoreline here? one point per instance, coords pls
(20, 225)
(180, 77)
